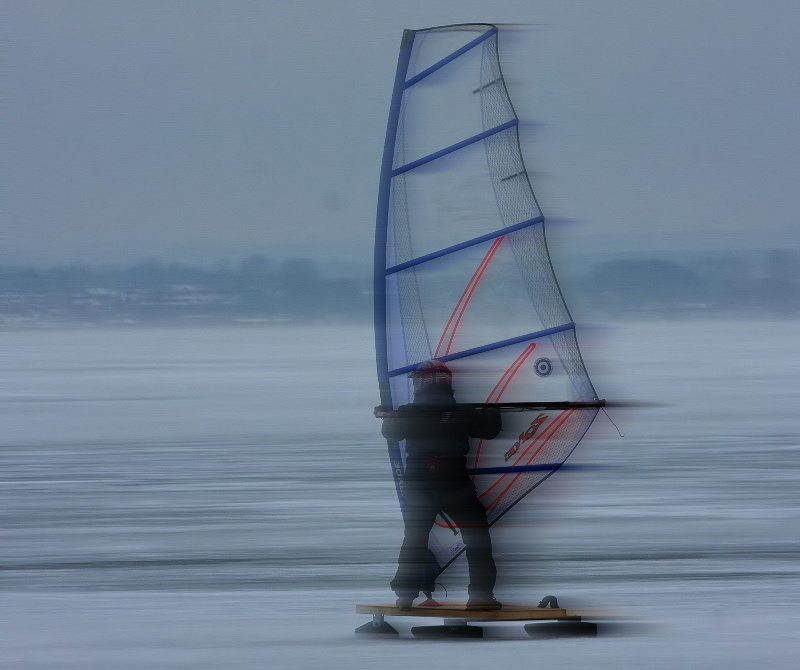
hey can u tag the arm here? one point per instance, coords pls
(398, 423)
(394, 428)
(420, 422)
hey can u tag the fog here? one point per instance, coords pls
(196, 132)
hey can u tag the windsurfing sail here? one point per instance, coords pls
(463, 274)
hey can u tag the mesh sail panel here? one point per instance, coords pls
(462, 270)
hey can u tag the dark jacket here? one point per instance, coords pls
(436, 431)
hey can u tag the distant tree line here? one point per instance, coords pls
(757, 284)
(256, 289)
(766, 284)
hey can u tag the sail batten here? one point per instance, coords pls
(450, 58)
(491, 346)
(463, 245)
(454, 147)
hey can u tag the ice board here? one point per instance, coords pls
(459, 622)
(507, 613)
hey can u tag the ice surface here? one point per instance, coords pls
(184, 498)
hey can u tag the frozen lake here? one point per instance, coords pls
(221, 497)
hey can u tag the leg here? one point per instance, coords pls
(418, 518)
(463, 506)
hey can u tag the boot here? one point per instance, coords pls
(484, 601)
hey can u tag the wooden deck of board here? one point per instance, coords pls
(507, 613)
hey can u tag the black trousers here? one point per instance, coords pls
(457, 498)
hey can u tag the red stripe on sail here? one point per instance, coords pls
(463, 302)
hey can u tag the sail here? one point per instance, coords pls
(463, 274)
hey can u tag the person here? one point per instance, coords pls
(436, 481)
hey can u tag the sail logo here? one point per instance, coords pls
(543, 367)
(525, 435)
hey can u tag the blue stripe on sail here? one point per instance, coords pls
(488, 347)
(544, 467)
(454, 147)
(447, 59)
(464, 245)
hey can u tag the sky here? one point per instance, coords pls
(199, 131)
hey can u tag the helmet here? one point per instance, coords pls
(430, 374)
